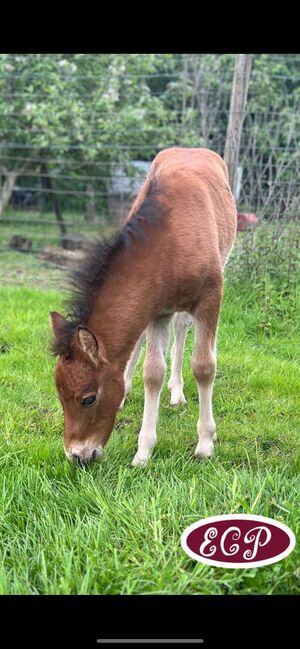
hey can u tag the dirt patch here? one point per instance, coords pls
(61, 257)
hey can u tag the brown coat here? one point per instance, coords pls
(169, 256)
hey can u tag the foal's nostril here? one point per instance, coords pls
(85, 459)
(76, 458)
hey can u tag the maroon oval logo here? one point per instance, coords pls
(238, 541)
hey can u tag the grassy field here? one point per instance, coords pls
(42, 228)
(114, 529)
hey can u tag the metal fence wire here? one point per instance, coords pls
(79, 131)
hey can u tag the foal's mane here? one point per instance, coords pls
(86, 281)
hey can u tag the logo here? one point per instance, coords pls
(238, 541)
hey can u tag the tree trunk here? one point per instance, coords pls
(236, 115)
(47, 180)
(7, 189)
(11, 176)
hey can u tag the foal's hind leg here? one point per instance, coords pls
(182, 322)
(130, 367)
(204, 365)
(154, 373)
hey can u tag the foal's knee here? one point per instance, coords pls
(204, 371)
(154, 372)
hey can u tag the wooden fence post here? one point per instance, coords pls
(236, 116)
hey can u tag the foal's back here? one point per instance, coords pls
(203, 211)
(198, 218)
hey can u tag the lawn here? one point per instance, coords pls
(111, 528)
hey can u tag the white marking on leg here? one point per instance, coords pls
(147, 436)
(206, 425)
(204, 368)
(154, 373)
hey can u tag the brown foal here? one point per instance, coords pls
(168, 258)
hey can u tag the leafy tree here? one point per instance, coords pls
(72, 117)
(77, 110)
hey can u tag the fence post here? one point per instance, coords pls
(236, 116)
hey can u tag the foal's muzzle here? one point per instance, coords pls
(85, 457)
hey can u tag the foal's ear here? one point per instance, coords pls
(57, 323)
(89, 345)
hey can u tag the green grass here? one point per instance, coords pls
(113, 529)
(42, 228)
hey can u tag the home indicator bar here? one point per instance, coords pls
(151, 641)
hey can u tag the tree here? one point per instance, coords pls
(79, 114)
(72, 113)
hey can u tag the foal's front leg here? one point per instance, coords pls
(154, 373)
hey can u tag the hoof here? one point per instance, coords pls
(204, 449)
(139, 460)
(177, 397)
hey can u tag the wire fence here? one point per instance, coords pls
(78, 133)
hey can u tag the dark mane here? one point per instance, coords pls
(86, 281)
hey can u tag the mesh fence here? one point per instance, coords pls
(79, 131)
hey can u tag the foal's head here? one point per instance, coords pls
(90, 389)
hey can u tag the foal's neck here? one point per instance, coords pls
(124, 306)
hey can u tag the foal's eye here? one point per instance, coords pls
(88, 401)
